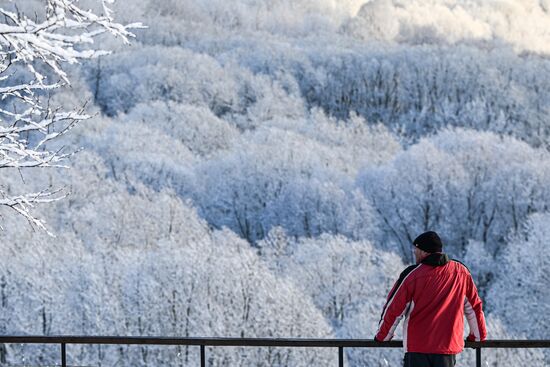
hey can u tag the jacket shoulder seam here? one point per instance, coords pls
(407, 271)
(461, 263)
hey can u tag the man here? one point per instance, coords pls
(433, 296)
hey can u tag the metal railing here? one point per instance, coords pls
(340, 344)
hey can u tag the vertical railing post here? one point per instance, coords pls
(203, 355)
(63, 355)
(340, 356)
(478, 357)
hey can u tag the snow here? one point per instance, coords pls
(260, 168)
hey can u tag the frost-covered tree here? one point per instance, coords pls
(465, 184)
(341, 276)
(347, 280)
(34, 51)
(286, 179)
(144, 263)
(518, 295)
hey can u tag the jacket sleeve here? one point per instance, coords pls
(474, 312)
(396, 305)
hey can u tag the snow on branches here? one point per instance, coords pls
(64, 35)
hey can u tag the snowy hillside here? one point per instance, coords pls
(260, 168)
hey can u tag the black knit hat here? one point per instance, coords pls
(429, 242)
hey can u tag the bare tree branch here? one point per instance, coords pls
(65, 36)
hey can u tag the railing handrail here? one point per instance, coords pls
(250, 342)
(64, 340)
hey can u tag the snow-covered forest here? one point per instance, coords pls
(259, 168)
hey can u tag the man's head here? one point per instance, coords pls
(426, 244)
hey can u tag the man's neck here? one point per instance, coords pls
(435, 259)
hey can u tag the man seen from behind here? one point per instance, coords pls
(433, 296)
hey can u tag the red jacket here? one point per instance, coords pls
(433, 296)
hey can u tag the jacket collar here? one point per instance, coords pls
(436, 259)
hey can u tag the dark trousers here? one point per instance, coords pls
(429, 360)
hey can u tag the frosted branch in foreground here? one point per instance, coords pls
(65, 35)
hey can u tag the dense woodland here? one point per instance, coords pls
(260, 168)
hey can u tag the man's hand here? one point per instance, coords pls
(471, 338)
